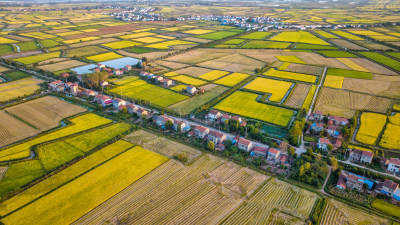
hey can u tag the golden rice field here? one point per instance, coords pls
(136, 35)
(299, 36)
(121, 44)
(370, 128)
(189, 80)
(168, 44)
(390, 138)
(232, 79)
(149, 39)
(290, 75)
(4, 40)
(73, 41)
(352, 64)
(171, 74)
(213, 75)
(104, 57)
(347, 35)
(276, 88)
(14, 89)
(309, 98)
(290, 59)
(198, 31)
(37, 58)
(333, 81)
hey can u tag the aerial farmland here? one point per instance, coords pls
(233, 112)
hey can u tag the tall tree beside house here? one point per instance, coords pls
(169, 125)
(334, 163)
(179, 128)
(93, 79)
(210, 145)
(295, 133)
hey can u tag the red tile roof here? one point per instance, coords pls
(273, 151)
(216, 134)
(244, 141)
(367, 153)
(324, 141)
(260, 149)
(395, 161)
(283, 158)
(318, 112)
(390, 184)
(342, 182)
(201, 128)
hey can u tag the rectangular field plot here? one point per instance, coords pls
(232, 79)
(345, 103)
(62, 65)
(275, 195)
(301, 46)
(370, 128)
(104, 57)
(213, 75)
(336, 212)
(186, 106)
(203, 193)
(333, 81)
(45, 113)
(256, 35)
(235, 63)
(168, 44)
(218, 35)
(16, 75)
(352, 64)
(80, 123)
(382, 59)
(299, 36)
(12, 129)
(298, 95)
(19, 88)
(290, 59)
(390, 138)
(325, 34)
(89, 190)
(347, 35)
(189, 80)
(121, 44)
(291, 75)
(349, 73)
(149, 39)
(258, 44)
(140, 90)
(337, 54)
(380, 85)
(276, 88)
(245, 104)
(308, 69)
(37, 58)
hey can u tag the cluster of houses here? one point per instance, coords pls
(216, 116)
(351, 181)
(111, 71)
(332, 128)
(191, 90)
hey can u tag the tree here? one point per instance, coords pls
(301, 170)
(307, 166)
(179, 128)
(169, 125)
(93, 79)
(210, 145)
(291, 151)
(125, 110)
(330, 147)
(334, 163)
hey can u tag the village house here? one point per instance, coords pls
(353, 182)
(103, 83)
(191, 90)
(103, 100)
(127, 67)
(317, 127)
(159, 79)
(273, 154)
(53, 85)
(216, 137)
(118, 72)
(394, 165)
(332, 131)
(337, 144)
(389, 187)
(283, 159)
(360, 156)
(244, 144)
(323, 143)
(167, 82)
(88, 93)
(64, 75)
(74, 89)
(131, 108)
(341, 184)
(259, 151)
(118, 102)
(200, 131)
(162, 120)
(213, 115)
(101, 66)
(338, 120)
(97, 70)
(142, 113)
(317, 115)
(143, 73)
(236, 118)
(225, 117)
(177, 123)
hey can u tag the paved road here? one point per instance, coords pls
(372, 170)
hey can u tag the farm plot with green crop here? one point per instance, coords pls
(258, 44)
(245, 104)
(218, 35)
(141, 90)
(349, 73)
(313, 47)
(28, 46)
(15, 75)
(299, 36)
(337, 54)
(37, 58)
(256, 35)
(382, 59)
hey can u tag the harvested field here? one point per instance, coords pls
(19, 88)
(298, 95)
(20, 54)
(3, 69)
(172, 65)
(161, 145)
(12, 129)
(193, 71)
(245, 104)
(52, 60)
(93, 42)
(347, 44)
(3, 171)
(186, 106)
(276, 88)
(299, 68)
(336, 212)
(382, 59)
(18, 38)
(168, 44)
(194, 39)
(344, 103)
(275, 195)
(372, 67)
(373, 45)
(208, 87)
(234, 63)
(181, 194)
(197, 56)
(85, 51)
(45, 113)
(379, 85)
(62, 65)
(316, 59)
(150, 55)
(258, 44)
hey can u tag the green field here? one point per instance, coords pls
(217, 35)
(189, 80)
(394, 54)
(311, 46)
(232, 79)
(347, 35)
(291, 76)
(89, 190)
(15, 75)
(349, 73)
(325, 34)
(49, 43)
(337, 54)
(140, 90)
(382, 59)
(37, 58)
(28, 46)
(233, 42)
(245, 104)
(299, 36)
(188, 105)
(256, 35)
(63, 177)
(265, 44)
(386, 207)
(6, 49)
(140, 50)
